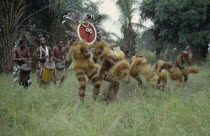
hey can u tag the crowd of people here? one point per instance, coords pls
(114, 67)
(21, 55)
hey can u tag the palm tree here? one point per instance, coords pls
(31, 18)
(11, 12)
(127, 10)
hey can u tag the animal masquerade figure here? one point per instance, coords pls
(83, 65)
(139, 67)
(82, 26)
(113, 68)
(180, 71)
(159, 68)
(137, 62)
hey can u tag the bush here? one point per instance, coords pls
(149, 55)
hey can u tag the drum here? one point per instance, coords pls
(59, 71)
(47, 71)
(24, 75)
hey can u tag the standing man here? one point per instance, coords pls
(59, 56)
(58, 53)
(42, 54)
(20, 55)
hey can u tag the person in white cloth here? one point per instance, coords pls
(42, 54)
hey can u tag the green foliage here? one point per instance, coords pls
(127, 9)
(179, 110)
(148, 54)
(179, 22)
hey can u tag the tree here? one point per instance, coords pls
(127, 10)
(11, 12)
(180, 23)
(32, 19)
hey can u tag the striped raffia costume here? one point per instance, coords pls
(83, 65)
(185, 56)
(102, 51)
(159, 66)
(135, 66)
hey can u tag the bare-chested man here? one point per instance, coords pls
(59, 56)
(58, 52)
(20, 55)
(42, 54)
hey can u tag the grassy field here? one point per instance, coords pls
(56, 111)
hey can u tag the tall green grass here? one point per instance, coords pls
(56, 111)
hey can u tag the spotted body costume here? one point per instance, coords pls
(83, 65)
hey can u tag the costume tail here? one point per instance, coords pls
(176, 74)
(191, 69)
(145, 70)
(121, 70)
(163, 76)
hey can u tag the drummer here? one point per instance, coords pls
(42, 54)
(20, 55)
(58, 52)
(59, 55)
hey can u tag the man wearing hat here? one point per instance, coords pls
(59, 56)
(42, 55)
(21, 56)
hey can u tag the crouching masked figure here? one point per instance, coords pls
(22, 69)
(113, 68)
(180, 71)
(83, 65)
